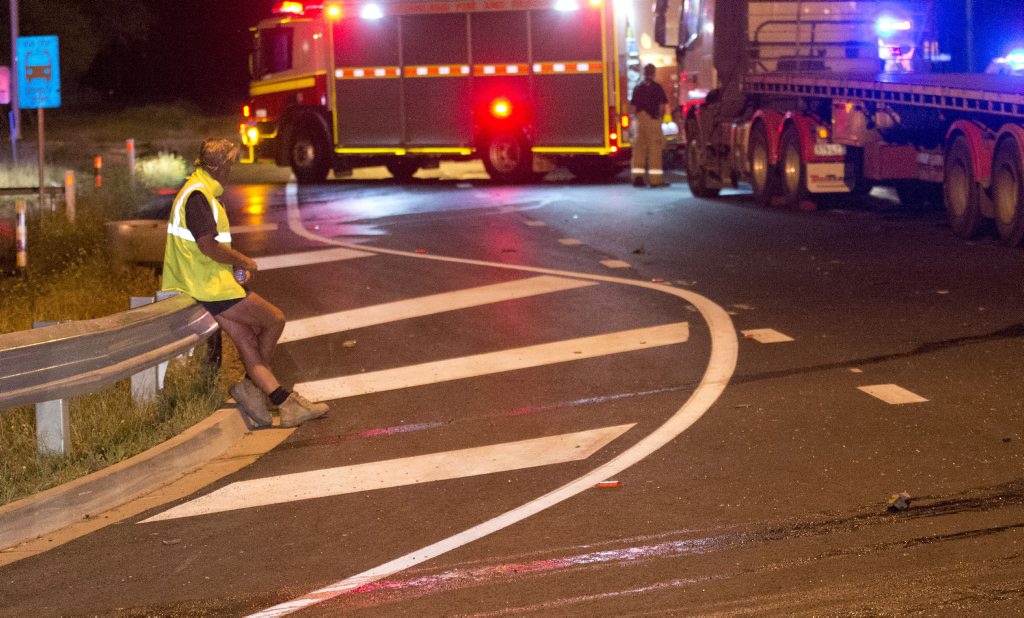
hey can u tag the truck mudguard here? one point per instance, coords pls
(1014, 131)
(981, 144)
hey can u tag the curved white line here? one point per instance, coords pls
(721, 365)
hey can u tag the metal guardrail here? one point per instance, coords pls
(75, 358)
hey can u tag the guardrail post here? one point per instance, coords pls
(144, 383)
(53, 422)
(69, 195)
(161, 369)
(129, 146)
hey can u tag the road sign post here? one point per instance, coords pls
(38, 62)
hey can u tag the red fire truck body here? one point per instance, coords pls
(522, 84)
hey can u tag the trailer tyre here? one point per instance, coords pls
(507, 157)
(764, 181)
(961, 194)
(792, 169)
(310, 154)
(696, 173)
(1008, 192)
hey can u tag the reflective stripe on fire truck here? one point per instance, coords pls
(444, 70)
(293, 83)
(485, 70)
(366, 72)
(558, 68)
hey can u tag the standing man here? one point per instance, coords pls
(200, 262)
(648, 105)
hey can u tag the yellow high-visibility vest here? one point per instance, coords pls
(186, 268)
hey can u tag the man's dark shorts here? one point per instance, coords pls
(216, 307)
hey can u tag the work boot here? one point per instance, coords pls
(253, 402)
(296, 410)
(638, 182)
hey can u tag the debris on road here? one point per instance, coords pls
(351, 343)
(171, 541)
(605, 484)
(898, 502)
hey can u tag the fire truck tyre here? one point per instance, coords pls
(1008, 192)
(593, 169)
(961, 194)
(403, 169)
(763, 176)
(792, 170)
(310, 154)
(507, 157)
(696, 172)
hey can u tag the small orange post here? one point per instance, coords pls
(21, 242)
(97, 166)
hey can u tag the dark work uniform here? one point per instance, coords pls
(648, 96)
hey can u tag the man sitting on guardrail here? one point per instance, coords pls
(199, 261)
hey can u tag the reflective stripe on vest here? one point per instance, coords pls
(186, 268)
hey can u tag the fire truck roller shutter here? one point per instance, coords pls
(438, 106)
(570, 104)
(368, 91)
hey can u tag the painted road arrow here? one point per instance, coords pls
(398, 472)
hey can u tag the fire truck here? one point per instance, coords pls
(524, 85)
(807, 99)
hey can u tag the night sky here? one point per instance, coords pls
(196, 51)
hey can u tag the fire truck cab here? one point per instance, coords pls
(524, 85)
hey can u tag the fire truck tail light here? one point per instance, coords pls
(501, 108)
(613, 136)
(289, 8)
(624, 121)
(566, 5)
(334, 11)
(245, 111)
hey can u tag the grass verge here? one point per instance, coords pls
(70, 276)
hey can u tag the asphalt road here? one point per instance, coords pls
(492, 355)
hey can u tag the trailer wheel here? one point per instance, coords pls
(403, 169)
(764, 181)
(507, 157)
(792, 169)
(961, 194)
(696, 173)
(1008, 192)
(310, 154)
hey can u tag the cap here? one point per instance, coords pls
(214, 153)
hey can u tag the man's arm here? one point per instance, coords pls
(224, 254)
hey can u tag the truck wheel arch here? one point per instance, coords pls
(773, 122)
(290, 121)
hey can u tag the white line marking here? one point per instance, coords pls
(570, 242)
(615, 264)
(721, 365)
(305, 258)
(462, 463)
(304, 328)
(249, 229)
(494, 362)
(892, 394)
(766, 335)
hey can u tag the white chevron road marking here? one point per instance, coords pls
(494, 362)
(305, 328)
(305, 258)
(399, 472)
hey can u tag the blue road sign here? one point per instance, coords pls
(39, 71)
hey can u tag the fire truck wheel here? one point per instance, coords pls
(763, 177)
(1008, 192)
(696, 173)
(960, 191)
(508, 158)
(403, 169)
(792, 170)
(310, 154)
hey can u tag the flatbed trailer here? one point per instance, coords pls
(810, 121)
